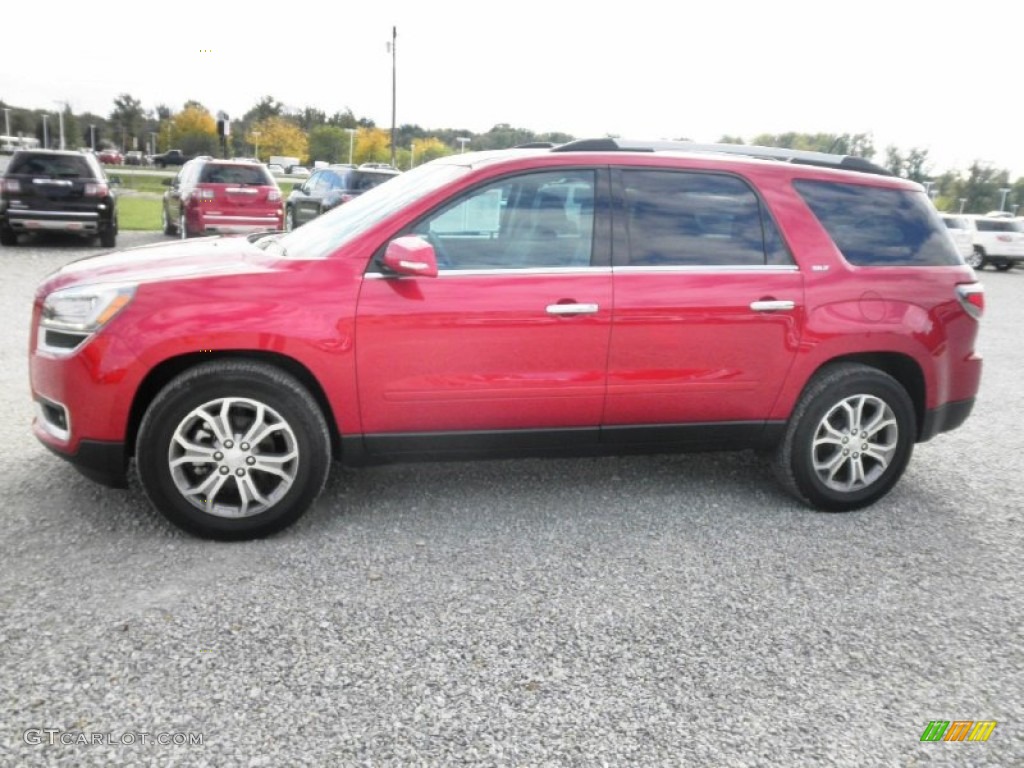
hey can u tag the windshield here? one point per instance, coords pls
(325, 234)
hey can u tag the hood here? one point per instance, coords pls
(179, 260)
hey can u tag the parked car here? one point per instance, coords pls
(171, 157)
(998, 241)
(211, 196)
(962, 233)
(598, 297)
(110, 157)
(298, 170)
(57, 190)
(275, 169)
(328, 188)
(134, 157)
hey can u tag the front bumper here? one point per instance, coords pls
(104, 463)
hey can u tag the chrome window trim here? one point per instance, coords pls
(704, 268)
(518, 272)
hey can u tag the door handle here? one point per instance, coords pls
(572, 309)
(771, 305)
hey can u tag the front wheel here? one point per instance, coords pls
(849, 438)
(233, 450)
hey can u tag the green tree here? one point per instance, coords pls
(328, 143)
(127, 117)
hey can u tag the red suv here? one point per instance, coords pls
(211, 196)
(597, 297)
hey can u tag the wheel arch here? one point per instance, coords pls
(162, 374)
(901, 367)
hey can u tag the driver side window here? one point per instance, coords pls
(531, 221)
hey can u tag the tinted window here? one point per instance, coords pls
(697, 219)
(953, 223)
(997, 225)
(535, 220)
(51, 166)
(360, 181)
(873, 226)
(234, 174)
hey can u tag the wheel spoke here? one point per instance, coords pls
(194, 453)
(274, 465)
(854, 443)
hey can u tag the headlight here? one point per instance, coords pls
(85, 309)
(72, 315)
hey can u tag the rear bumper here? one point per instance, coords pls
(945, 418)
(238, 224)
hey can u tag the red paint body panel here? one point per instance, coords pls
(481, 352)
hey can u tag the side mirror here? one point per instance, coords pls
(411, 256)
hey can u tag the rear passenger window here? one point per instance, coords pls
(878, 227)
(697, 219)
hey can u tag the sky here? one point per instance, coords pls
(910, 73)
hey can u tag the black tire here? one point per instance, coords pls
(818, 419)
(289, 219)
(8, 236)
(976, 259)
(168, 224)
(108, 237)
(183, 232)
(297, 444)
(1003, 266)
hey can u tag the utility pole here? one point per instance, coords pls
(1002, 203)
(7, 121)
(46, 135)
(351, 141)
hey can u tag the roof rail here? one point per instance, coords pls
(799, 156)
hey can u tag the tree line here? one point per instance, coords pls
(270, 128)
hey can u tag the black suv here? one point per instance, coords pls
(330, 187)
(55, 190)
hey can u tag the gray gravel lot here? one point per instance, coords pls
(624, 612)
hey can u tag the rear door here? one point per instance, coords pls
(708, 309)
(512, 336)
(239, 191)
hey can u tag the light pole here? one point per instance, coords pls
(963, 202)
(92, 136)
(60, 118)
(412, 155)
(46, 135)
(463, 141)
(152, 139)
(7, 121)
(1002, 203)
(351, 141)
(256, 140)
(394, 82)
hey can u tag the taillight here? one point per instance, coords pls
(10, 185)
(972, 298)
(274, 196)
(346, 197)
(93, 189)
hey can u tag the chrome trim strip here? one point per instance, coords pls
(31, 212)
(523, 272)
(709, 268)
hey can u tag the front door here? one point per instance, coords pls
(511, 336)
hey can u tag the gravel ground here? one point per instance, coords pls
(602, 612)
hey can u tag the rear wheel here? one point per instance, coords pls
(108, 237)
(1003, 266)
(165, 221)
(8, 236)
(233, 450)
(976, 259)
(289, 219)
(849, 438)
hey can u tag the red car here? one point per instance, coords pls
(210, 196)
(110, 157)
(597, 297)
